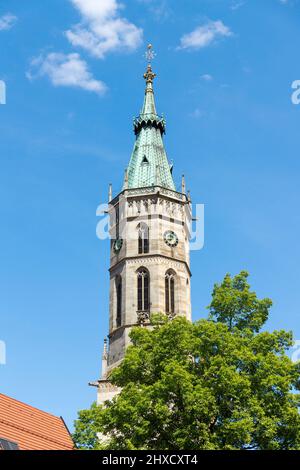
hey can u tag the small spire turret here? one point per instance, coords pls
(183, 184)
(126, 179)
(104, 358)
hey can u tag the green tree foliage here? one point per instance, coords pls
(220, 383)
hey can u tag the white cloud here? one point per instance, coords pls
(66, 70)
(102, 29)
(205, 35)
(160, 9)
(197, 114)
(237, 5)
(7, 21)
(207, 77)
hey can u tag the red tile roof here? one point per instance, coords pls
(31, 428)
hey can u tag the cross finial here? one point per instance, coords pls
(149, 54)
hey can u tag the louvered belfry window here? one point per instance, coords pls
(119, 301)
(143, 290)
(143, 239)
(170, 291)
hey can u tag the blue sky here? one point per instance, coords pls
(73, 71)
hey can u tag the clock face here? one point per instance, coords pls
(171, 238)
(118, 245)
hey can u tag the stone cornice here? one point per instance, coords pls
(151, 190)
(151, 258)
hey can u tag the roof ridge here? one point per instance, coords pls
(29, 406)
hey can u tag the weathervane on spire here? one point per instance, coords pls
(150, 55)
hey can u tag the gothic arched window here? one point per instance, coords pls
(143, 290)
(170, 291)
(143, 239)
(119, 301)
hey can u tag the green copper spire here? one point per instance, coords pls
(149, 164)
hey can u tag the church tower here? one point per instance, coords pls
(150, 231)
